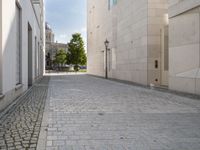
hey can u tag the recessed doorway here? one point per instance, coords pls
(164, 55)
(30, 54)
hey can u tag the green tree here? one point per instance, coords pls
(76, 53)
(61, 57)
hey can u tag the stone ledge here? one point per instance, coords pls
(182, 7)
(19, 86)
(192, 74)
(2, 96)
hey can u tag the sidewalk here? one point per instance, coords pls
(20, 125)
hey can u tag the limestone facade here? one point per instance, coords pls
(133, 30)
(21, 47)
(53, 48)
(49, 33)
(184, 46)
(142, 37)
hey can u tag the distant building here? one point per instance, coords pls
(21, 47)
(52, 47)
(150, 42)
(49, 34)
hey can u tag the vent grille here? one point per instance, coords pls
(36, 1)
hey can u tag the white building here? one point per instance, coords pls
(21, 47)
(141, 49)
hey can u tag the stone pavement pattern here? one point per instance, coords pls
(20, 127)
(88, 113)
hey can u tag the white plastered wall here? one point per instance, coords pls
(8, 47)
(1, 47)
(8, 40)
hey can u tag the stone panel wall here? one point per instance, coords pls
(184, 53)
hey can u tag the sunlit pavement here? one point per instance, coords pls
(64, 73)
(88, 113)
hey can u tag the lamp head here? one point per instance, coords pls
(106, 43)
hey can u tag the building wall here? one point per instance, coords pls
(96, 34)
(1, 49)
(184, 52)
(52, 48)
(131, 42)
(133, 29)
(49, 36)
(127, 33)
(9, 48)
(157, 21)
(140, 32)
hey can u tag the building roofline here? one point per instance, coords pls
(36, 2)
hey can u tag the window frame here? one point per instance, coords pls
(1, 52)
(112, 3)
(36, 58)
(18, 6)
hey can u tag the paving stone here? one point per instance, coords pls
(33, 145)
(58, 143)
(20, 126)
(10, 144)
(91, 113)
(19, 147)
(11, 148)
(49, 143)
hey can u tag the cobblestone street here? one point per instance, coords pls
(88, 113)
(20, 126)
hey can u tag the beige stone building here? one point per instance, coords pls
(49, 34)
(184, 45)
(21, 47)
(52, 47)
(141, 49)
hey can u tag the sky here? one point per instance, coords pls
(66, 17)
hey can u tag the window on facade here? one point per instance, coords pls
(115, 2)
(111, 3)
(36, 58)
(166, 48)
(18, 44)
(1, 91)
(39, 59)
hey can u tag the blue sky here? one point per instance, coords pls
(66, 17)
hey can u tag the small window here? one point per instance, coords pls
(36, 57)
(156, 64)
(39, 59)
(115, 2)
(18, 44)
(111, 3)
(166, 49)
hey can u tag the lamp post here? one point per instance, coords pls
(106, 53)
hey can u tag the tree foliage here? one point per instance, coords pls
(61, 57)
(76, 53)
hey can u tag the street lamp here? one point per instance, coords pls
(106, 53)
